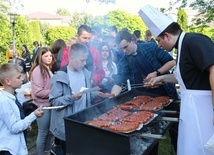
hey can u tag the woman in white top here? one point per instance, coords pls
(109, 68)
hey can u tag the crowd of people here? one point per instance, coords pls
(90, 59)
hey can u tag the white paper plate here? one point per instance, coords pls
(55, 107)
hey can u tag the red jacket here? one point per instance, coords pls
(97, 71)
(64, 60)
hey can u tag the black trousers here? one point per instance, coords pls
(61, 143)
(5, 153)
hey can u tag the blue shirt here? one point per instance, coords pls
(12, 126)
(149, 58)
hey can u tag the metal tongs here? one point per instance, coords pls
(140, 85)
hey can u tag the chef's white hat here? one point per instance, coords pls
(155, 20)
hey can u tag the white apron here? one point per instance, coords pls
(196, 116)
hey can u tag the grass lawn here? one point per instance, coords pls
(32, 135)
(165, 147)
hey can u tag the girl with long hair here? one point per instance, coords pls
(109, 68)
(26, 57)
(40, 78)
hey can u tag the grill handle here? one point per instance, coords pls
(169, 111)
(171, 119)
(148, 135)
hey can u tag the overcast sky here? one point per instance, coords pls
(50, 6)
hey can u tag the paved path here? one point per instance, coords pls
(32, 149)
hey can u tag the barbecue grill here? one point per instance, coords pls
(84, 139)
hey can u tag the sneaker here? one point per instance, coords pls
(56, 150)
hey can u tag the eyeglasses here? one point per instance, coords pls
(105, 50)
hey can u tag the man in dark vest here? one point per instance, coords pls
(36, 49)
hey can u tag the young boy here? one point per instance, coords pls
(65, 91)
(12, 119)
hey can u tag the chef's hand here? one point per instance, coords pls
(150, 76)
(101, 94)
(154, 82)
(39, 112)
(77, 96)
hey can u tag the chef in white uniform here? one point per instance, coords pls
(195, 75)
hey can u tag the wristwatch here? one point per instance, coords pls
(158, 73)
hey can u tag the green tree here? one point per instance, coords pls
(129, 21)
(182, 19)
(44, 26)
(204, 7)
(115, 17)
(35, 34)
(98, 21)
(80, 19)
(206, 15)
(35, 29)
(206, 11)
(62, 12)
(63, 32)
(22, 32)
(5, 36)
(209, 31)
(77, 19)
